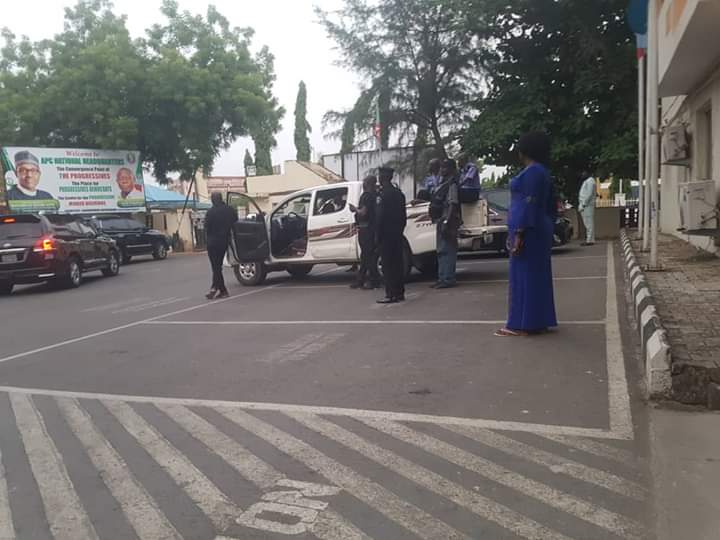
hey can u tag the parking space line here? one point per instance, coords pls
(355, 322)
(498, 425)
(618, 392)
(129, 325)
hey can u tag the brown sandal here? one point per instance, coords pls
(506, 332)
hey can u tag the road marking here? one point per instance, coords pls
(461, 282)
(7, 530)
(329, 525)
(497, 425)
(557, 464)
(384, 501)
(596, 515)
(129, 325)
(593, 447)
(555, 258)
(618, 393)
(151, 305)
(64, 512)
(378, 322)
(301, 348)
(474, 502)
(114, 305)
(247, 464)
(137, 505)
(213, 502)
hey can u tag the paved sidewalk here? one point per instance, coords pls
(687, 295)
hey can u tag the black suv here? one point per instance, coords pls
(52, 248)
(132, 237)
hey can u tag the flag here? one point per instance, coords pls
(642, 43)
(377, 127)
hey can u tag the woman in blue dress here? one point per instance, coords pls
(531, 224)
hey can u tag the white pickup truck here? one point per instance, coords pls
(316, 226)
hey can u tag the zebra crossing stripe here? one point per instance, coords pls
(548, 495)
(7, 531)
(65, 514)
(247, 464)
(213, 502)
(593, 447)
(555, 463)
(374, 495)
(474, 502)
(139, 508)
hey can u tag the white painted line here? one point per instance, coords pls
(548, 495)
(461, 282)
(213, 502)
(151, 305)
(64, 511)
(130, 325)
(7, 531)
(332, 526)
(556, 464)
(594, 447)
(355, 323)
(139, 508)
(247, 464)
(618, 393)
(474, 502)
(114, 305)
(384, 501)
(463, 261)
(498, 425)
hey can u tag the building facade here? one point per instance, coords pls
(689, 86)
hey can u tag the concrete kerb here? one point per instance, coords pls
(655, 349)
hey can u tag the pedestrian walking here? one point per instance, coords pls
(366, 222)
(586, 205)
(392, 218)
(530, 235)
(218, 225)
(446, 215)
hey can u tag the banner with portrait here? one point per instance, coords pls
(71, 180)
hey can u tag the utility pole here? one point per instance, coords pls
(653, 120)
(641, 138)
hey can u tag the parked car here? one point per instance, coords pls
(48, 248)
(498, 205)
(132, 237)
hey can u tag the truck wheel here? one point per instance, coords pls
(6, 288)
(159, 251)
(250, 274)
(73, 277)
(299, 271)
(113, 267)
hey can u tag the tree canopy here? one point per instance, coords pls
(421, 66)
(566, 67)
(179, 95)
(302, 127)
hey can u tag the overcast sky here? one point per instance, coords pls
(302, 52)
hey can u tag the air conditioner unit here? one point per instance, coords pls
(676, 148)
(698, 206)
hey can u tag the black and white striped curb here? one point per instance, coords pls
(653, 337)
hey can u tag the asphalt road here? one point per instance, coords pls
(134, 408)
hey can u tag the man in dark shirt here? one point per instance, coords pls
(365, 219)
(392, 218)
(218, 225)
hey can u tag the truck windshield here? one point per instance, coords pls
(499, 199)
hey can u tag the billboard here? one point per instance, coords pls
(71, 180)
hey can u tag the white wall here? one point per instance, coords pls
(672, 176)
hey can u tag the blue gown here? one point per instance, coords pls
(532, 208)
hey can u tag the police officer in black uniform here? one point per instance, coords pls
(366, 221)
(219, 222)
(392, 217)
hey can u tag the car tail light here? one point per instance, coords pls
(45, 244)
(8, 220)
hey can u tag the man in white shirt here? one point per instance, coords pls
(586, 206)
(126, 183)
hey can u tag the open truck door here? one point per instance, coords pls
(249, 245)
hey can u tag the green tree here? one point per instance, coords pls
(421, 63)
(566, 67)
(180, 95)
(302, 127)
(263, 131)
(248, 161)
